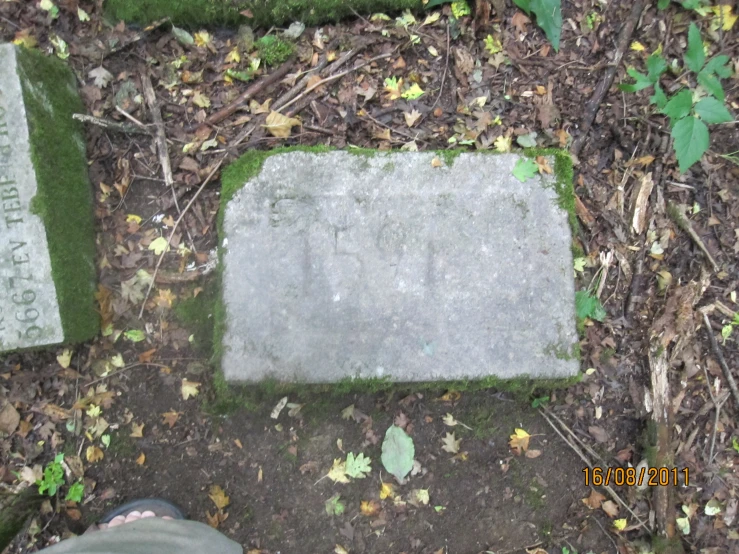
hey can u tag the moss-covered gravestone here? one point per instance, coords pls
(47, 271)
(406, 266)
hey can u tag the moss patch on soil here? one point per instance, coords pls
(64, 197)
(259, 13)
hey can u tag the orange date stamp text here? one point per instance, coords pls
(631, 476)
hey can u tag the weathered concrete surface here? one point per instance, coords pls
(339, 265)
(29, 310)
(47, 269)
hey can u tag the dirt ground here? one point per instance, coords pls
(271, 494)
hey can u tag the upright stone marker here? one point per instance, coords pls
(47, 272)
(339, 265)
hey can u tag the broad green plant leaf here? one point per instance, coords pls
(413, 92)
(656, 66)
(525, 169)
(691, 141)
(588, 306)
(641, 81)
(711, 83)
(334, 506)
(659, 98)
(398, 452)
(662, 4)
(711, 110)
(694, 56)
(548, 16)
(678, 106)
(357, 467)
(75, 492)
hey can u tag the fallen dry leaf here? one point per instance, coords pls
(218, 496)
(278, 408)
(610, 507)
(9, 418)
(450, 443)
(369, 508)
(387, 491)
(170, 418)
(94, 454)
(533, 453)
(279, 125)
(216, 519)
(519, 441)
(411, 117)
(641, 203)
(189, 389)
(598, 433)
(137, 430)
(594, 501)
(141, 459)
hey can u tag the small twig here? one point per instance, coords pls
(137, 37)
(160, 137)
(684, 223)
(249, 93)
(593, 105)
(333, 78)
(722, 362)
(110, 125)
(122, 370)
(127, 115)
(585, 459)
(446, 69)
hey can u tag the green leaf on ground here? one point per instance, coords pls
(691, 141)
(711, 110)
(679, 106)
(398, 452)
(75, 492)
(641, 81)
(656, 66)
(712, 84)
(334, 506)
(548, 16)
(659, 98)
(694, 55)
(358, 467)
(525, 169)
(588, 306)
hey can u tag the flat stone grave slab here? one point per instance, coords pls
(47, 271)
(396, 265)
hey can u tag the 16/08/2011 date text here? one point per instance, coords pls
(630, 476)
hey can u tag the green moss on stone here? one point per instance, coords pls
(64, 196)
(197, 314)
(264, 13)
(563, 181)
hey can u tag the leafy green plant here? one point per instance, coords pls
(689, 110)
(75, 492)
(548, 16)
(726, 330)
(540, 401)
(588, 306)
(274, 50)
(53, 477)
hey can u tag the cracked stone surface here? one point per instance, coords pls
(339, 265)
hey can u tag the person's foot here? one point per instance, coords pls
(135, 515)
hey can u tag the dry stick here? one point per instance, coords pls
(662, 497)
(722, 362)
(683, 222)
(174, 229)
(249, 93)
(593, 105)
(581, 442)
(585, 459)
(122, 370)
(160, 137)
(446, 69)
(109, 125)
(300, 85)
(334, 77)
(127, 115)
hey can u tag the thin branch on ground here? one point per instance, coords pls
(446, 70)
(160, 137)
(677, 215)
(593, 105)
(110, 125)
(721, 360)
(249, 93)
(587, 461)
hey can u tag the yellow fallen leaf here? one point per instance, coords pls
(137, 430)
(620, 524)
(637, 46)
(369, 508)
(189, 389)
(337, 473)
(233, 56)
(503, 143)
(202, 38)
(723, 17)
(280, 125)
(411, 117)
(450, 443)
(436, 162)
(543, 165)
(340, 550)
(170, 418)
(387, 491)
(519, 441)
(141, 459)
(216, 519)
(218, 496)
(65, 358)
(159, 246)
(94, 454)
